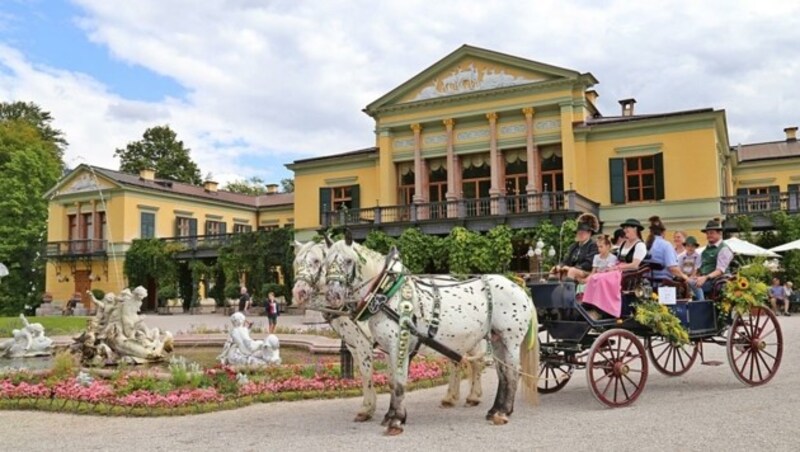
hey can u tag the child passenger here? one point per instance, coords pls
(604, 260)
(603, 284)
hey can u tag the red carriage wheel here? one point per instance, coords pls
(554, 372)
(668, 358)
(616, 368)
(755, 346)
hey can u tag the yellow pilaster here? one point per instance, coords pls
(387, 193)
(568, 146)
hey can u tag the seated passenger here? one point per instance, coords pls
(663, 253)
(679, 242)
(618, 240)
(603, 285)
(633, 250)
(689, 261)
(578, 261)
(777, 296)
(714, 260)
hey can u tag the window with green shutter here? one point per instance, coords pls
(148, 225)
(636, 179)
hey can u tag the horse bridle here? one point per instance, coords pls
(305, 275)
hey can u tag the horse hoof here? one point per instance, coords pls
(362, 417)
(385, 422)
(448, 404)
(499, 419)
(473, 402)
(394, 431)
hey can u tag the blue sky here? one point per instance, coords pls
(250, 85)
(47, 32)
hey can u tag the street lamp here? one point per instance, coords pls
(535, 256)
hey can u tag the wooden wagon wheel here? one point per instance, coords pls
(755, 346)
(554, 372)
(670, 359)
(616, 368)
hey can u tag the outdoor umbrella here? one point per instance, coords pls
(786, 247)
(745, 248)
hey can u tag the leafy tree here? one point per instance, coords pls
(35, 116)
(160, 149)
(29, 166)
(253, 186)
(287, 185)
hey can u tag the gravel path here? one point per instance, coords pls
(706, 409)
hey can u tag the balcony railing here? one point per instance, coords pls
(761, 203)
(76, 248)
(200, 242)
(515, 205)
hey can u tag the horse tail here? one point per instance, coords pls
(529, 359)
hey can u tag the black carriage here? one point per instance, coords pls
(613, 350)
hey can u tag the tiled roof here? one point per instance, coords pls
(179, 188)
(766, 151)
(624, 119)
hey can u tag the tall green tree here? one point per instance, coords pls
(253, 186)
(33, 114)
(30, 164)
(287, 185)
(161, 150)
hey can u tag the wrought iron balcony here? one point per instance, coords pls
(758, 208)
(76, 248)
(761, 203)
(480, 214)
(199, 243)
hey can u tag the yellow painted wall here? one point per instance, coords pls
(766, 173)
(690, 164)
(62, 290)
(308, 182)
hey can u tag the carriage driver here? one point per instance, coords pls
(714, 260)
(577, 263)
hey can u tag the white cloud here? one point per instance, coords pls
(284, 79)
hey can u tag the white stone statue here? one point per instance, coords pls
(241, 349)
(117, 332)
(28, 342)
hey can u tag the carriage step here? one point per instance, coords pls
(711, 363)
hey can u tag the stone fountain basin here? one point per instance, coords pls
(203, 349)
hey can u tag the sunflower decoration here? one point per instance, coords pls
(743, 283)
(661, 320)
(740, 295)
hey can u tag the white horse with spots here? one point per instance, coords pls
(309, 288)
(491, 307)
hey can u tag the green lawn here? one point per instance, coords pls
(53, 326)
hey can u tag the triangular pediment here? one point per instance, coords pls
(81, 179)
(470, 69)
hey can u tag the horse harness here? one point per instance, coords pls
(387, 285)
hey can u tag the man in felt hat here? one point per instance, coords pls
(577, 263)
(714, 260)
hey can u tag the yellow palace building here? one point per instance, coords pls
(96, 213)
(482, 138)
(478, 139)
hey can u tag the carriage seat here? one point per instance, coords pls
(631, 279)
(718, 286)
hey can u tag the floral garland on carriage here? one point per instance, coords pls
(649, 312)
(740, 295)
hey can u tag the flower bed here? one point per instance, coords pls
(143, 393)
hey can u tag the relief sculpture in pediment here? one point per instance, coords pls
(470, 78)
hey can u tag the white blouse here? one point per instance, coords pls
(639, 251)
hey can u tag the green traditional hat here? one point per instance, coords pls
(632, 222)
(713, 225)
(691, 241)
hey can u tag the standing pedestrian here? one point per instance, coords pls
(244, 301)
(272, 311)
